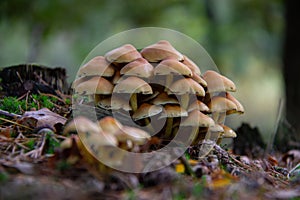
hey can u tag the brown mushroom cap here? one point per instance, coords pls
(113, 104)
(140, 68)
(198, 119)
(199, 80)
(173, 111)
(97, 66)
(190, 64)
(240, 109)
(82, 124)
(186, 86)
(160, 51)
(172, 66)
(95, 85)
(217, 82)
(110, 125)
(136, 135)
(221, 104)
(228, 132)
(124, 54)
(198, 105)
(132, 85)
(146, 110)
(163, 98)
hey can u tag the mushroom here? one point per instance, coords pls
(93, 143)
(170, 112)
(198, 105)
(110, 103)
(124, 54)
(217, 82)
(140, 68)
(239, 106)
(195, 120)
(190, 64)
(170, 67)
(127, 136)
(97, 66)
(163, 98)
(145, 111)
(185, 87)
(219, 106)
(160, 51)
(133, 85)
(227, 133)
(94, 86)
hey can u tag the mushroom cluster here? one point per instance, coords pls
(160, 85)
(101, 140)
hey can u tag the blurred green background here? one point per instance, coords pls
(243, 37)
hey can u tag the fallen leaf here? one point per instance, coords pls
(44, 118)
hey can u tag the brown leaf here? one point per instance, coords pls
(44, 118)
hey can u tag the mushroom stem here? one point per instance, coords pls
(185, 98)
(200, 135)
(194, 134)
(169, 80)
(221, 118)
(168, 132)
(133, 102)
(148, 124)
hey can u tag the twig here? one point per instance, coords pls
(8, 114)
(15, 123)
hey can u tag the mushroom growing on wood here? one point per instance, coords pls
(97, 66)
(217, 82)
(170, 112)
(186, 87)
(95, 86)
(171, 67)
(160, 51)
(190, 64)
(133, 85)
(124, 54)
(140, 68)
(195, 120)
(219, 106)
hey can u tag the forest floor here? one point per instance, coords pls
(37, 161)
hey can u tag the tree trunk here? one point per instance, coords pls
(291, 62)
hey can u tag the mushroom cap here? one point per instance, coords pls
(79, 80)
(133, 85)
(97, 66)
(172, 66)
(124, 54)
(110, 125)
(198, 105)
(136, 135)
(140, 68)
(113, 104)
(163, 98)
(240, 109)
(95, 85)
(186, 86)
(89, 132)
(228, 132)
(198, 119)
(160, 51)
(199, 80)
(81, 124)
(217, 82)
(221, 104)
(190, 64)
(217, 128)
(146, 110)
(173, 111)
